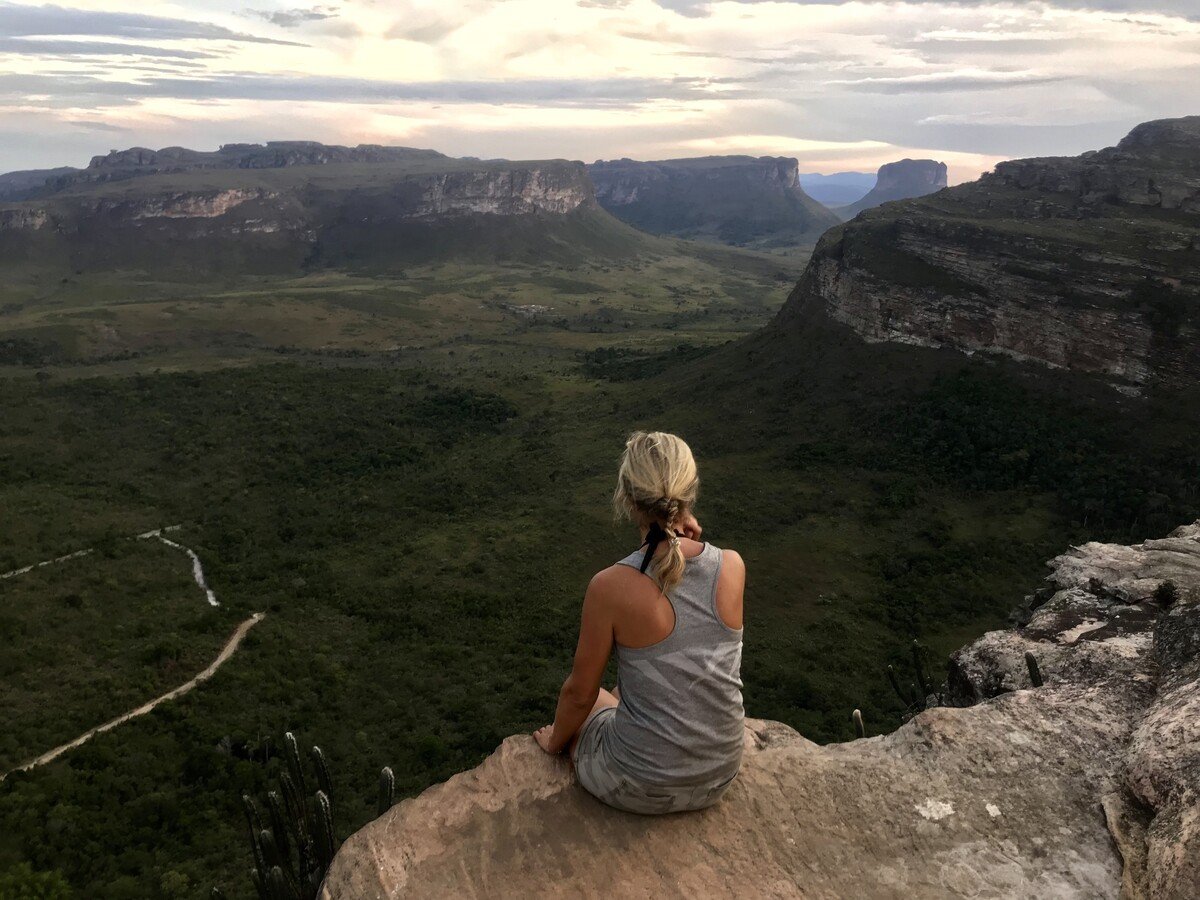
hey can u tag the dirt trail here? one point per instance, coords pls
(226, 652)
(156, 534)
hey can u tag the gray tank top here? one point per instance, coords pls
(679, 720)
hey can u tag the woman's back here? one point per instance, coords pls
(679, 721)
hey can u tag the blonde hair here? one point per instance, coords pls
(657, 482)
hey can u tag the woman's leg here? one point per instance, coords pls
(603, 699)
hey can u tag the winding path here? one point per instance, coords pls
(227, 651)
(157, 533)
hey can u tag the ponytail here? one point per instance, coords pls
(658, 482)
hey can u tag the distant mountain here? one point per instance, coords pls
(900, 181)
(738, 200)
(838, 189)
(293, 205)
(20, 185)
(1087, 264)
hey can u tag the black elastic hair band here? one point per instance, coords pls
(654, 537)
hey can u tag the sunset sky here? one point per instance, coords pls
(837, 85)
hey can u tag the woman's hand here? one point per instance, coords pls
(542, 736)
(689, 527)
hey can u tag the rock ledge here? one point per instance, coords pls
(1086, 787)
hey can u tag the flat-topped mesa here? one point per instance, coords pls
(740, 200)
(900, 180)
(1089, 264)
(287, 206)
(271, 155)
(1085, 786)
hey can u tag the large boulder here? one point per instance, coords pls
(1083, 787)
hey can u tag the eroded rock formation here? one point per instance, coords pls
(740, 200)
(1085, 787)
(312, 205)
(1090, 264)
(900, 180)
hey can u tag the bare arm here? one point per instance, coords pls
(579, 691)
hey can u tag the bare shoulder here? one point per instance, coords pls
(732, 562)
(609, 583)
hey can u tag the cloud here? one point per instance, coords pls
(1186, 9)
(97, 126)
(253, 86)
(39, 21)
(945, 81)
(429, 32)
(291, 18)
(54, 47)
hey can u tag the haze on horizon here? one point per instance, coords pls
(839, 85)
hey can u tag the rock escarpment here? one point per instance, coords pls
(292, 205)
(1087, 786)
(901, 180)
(1090, 264)
(736, 200)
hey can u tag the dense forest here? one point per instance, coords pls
(420, 543)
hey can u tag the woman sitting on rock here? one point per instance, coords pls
(670, 738)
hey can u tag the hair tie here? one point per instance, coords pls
(654, 537)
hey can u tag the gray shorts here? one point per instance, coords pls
(599, 778)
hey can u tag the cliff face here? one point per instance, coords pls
(1087, 786)
(900, 180)
(736, 200)
(119, 165)
(1090, 264)
(316, 203)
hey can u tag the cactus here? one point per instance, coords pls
(918, 655)
(895, 682)
(293, 802)
(324, 843)
(1035, 674)
(387, 791)
(859, 729)
(324, 783)
(255, 822)
(292, 756)
(294, 849)
(277, 885)
(278, 828)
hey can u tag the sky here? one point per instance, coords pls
(838, 85)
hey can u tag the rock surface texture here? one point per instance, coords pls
(1087, 263)
(740, 200)
(901, 180)
(290, 205)
(1085, 787)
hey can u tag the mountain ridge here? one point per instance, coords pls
(739, 200)
(1089, 264)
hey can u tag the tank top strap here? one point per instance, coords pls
(694, 598)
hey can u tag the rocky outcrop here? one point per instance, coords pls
(736, 200)
(119, 165)
(392, 212)
(900, 180)
(28, 183)
(1090, 264)
(1087, 786)
(23, 219)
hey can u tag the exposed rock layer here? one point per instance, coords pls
(737, 200)
(900, 180)
(1090, 263)
(309, 205)
(1085, 787)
